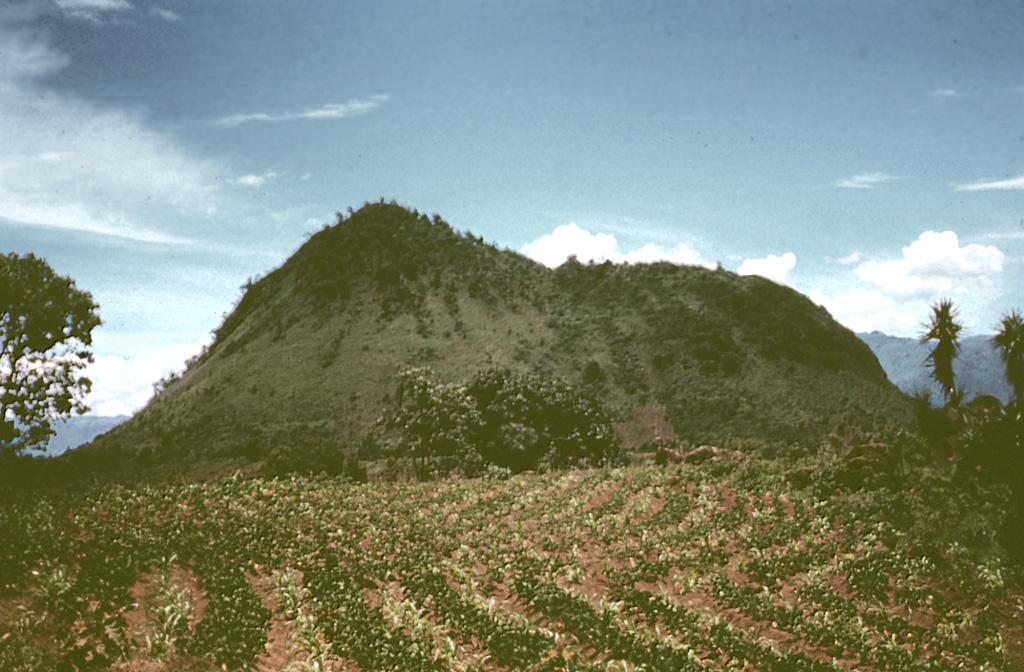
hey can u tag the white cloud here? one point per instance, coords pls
(77, 218)
(332, 111)
(91, 10)
(68, 163)
(772, 267)
(942, 95)
(255, 180)
(849, 259)
(165, 14)
(97, 5)
(864, 181)
(1012, 183)
(27, 54)
(866, 310)
(933, 265)
(650, 253)
(122, 385)
(894, 295)
(554, 248)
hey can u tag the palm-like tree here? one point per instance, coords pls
(1010, 340)
(945, 330)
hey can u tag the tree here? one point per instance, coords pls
(46, 327)
(945, 330)
(517, 421)
(1010, 341)
(437, 420)
(530, 419)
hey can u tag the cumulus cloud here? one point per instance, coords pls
(773, 267)
(866, 309)
(332, 111)
(554, 248)
(933, 265)
(864, 181)
(894, 295)
(123, 385)
(1011, 183)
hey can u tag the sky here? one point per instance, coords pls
(869, 154)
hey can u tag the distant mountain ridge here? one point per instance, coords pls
(978, 368)
(314, 346)
(76, 430)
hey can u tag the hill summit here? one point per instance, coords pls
(673, 351)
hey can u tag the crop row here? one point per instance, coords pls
(675, 568)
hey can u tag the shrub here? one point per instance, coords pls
(309, 456)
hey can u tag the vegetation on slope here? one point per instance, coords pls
(313, 348)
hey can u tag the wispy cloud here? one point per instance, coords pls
(1011, 183)
(255, 180)
(864, 181)
(942, 95)
(91, 10)
(353, 107)
(164, 14)
(79, 218)
(28, 53)
(66, 163)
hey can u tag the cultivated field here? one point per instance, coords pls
(656, 568)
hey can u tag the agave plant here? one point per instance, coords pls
(945, 330)
(1010, 341)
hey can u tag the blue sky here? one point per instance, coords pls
(869, 154)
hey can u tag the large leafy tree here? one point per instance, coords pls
(436, 419)
(513, 420)
(944, 330)
(529, 419)
(46, 328)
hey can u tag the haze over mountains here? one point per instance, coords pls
(77, 430)
(978, 368)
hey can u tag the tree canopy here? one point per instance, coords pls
(46, 328)
(513, 420)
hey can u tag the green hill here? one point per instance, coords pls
(314, 346)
